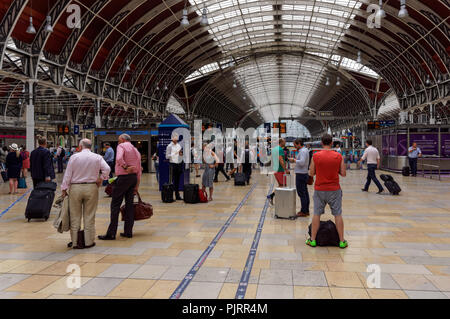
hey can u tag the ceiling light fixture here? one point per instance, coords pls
(338, 81)
(428, 81)
(48, 27)
(127, 67)
(165, 86)
(359, 59)
(31, 29)
(234, 85)
(184, 20)
(403, 13)
(381, 13)
(204, 21)
(328, 82)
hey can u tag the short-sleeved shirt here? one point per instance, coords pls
(276, 152)
(414, 154)
(327, 164)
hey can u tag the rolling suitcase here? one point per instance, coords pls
(190, 194)
(5, 176)
(239, 179)
(405, 171)
(167, 193)
(285, 200)
(390, 184)
(40, 201)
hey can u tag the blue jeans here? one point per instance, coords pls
(372, 176)
(301, 183)
(413, 165)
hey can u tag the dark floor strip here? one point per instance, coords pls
(190, 275)
(242, 288)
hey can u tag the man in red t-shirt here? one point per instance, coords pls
(327, 165)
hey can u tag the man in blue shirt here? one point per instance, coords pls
(109, 158)
(413, 153)
(301, 176)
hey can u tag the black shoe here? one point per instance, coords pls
(125, 235)
(364, 190)
(178, 198)
(380, 192)
(216, 181)
(105, 237)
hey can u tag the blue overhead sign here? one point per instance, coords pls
(96, 133)
(76, 129)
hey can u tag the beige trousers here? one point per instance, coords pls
(83, 200)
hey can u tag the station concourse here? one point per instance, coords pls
(91, 80)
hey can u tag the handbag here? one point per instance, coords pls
(141, 210)
(21, 183)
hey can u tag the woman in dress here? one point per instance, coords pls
(26, 161)
(210, 158)
(13, 166)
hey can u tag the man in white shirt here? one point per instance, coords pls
(373, 162)
(81, 182)
(174, 153)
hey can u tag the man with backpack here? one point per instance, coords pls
(327, 165)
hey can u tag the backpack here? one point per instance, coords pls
(327, 235)
(63, 153)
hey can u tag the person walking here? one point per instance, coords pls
(128, 171)
(109, 158)
(155, 159)
(247, 162)
(414, 153)
(372, 156)
(174, 153)
(210, 159)
(301, 176)
(26, 161)
(3, 154)
(41, 163)
(13, 167)
(327, 165)
(81, 182)
(220, 168)
(279, 165)
(60, 153)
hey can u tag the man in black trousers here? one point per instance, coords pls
(41, 163)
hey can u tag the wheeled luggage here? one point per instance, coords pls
(327, 235)
(239, 179)
(40, 201)
(167, 193)
(390, 184)
(190, 194)
(5, 176)
(285, 200)
(405, 171)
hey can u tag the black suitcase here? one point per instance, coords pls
(5, 176)
(39, 204)
(405, 171)
(239, 179)
(167, 193)
(190, 194)
(385, 177)
(327, 235)
(393, 187)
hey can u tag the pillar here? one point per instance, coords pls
(30, 119)
(98, 120)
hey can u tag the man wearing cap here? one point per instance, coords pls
(174, 153)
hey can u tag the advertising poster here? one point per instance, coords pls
(428, 143)
(445, 142)
(402, 147)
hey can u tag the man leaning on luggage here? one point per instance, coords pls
(327, 165)
(81, 182)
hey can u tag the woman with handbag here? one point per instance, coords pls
(13, 167)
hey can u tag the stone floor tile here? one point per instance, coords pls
(98, 287)
(386, 294)
(148, 272)
(275, 292)
(349, 293)
(8, 280)
(211, 274)
(202, 290)
(309, 278)
(132, 288)
(414, 282)
(275, 277)
(162, 289)
(33, 284)
(416, 294)
(119, 271)
(301, 292)
(343, 279)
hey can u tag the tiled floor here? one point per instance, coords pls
(407, 236)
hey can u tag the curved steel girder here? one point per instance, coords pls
(10, 94)
(123, 42)
(8, 24)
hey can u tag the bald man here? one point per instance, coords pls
(81, 182)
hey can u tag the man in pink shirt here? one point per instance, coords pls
(82, 180)
(128, 170)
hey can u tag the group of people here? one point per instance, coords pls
(84, 174)
(15, 161)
